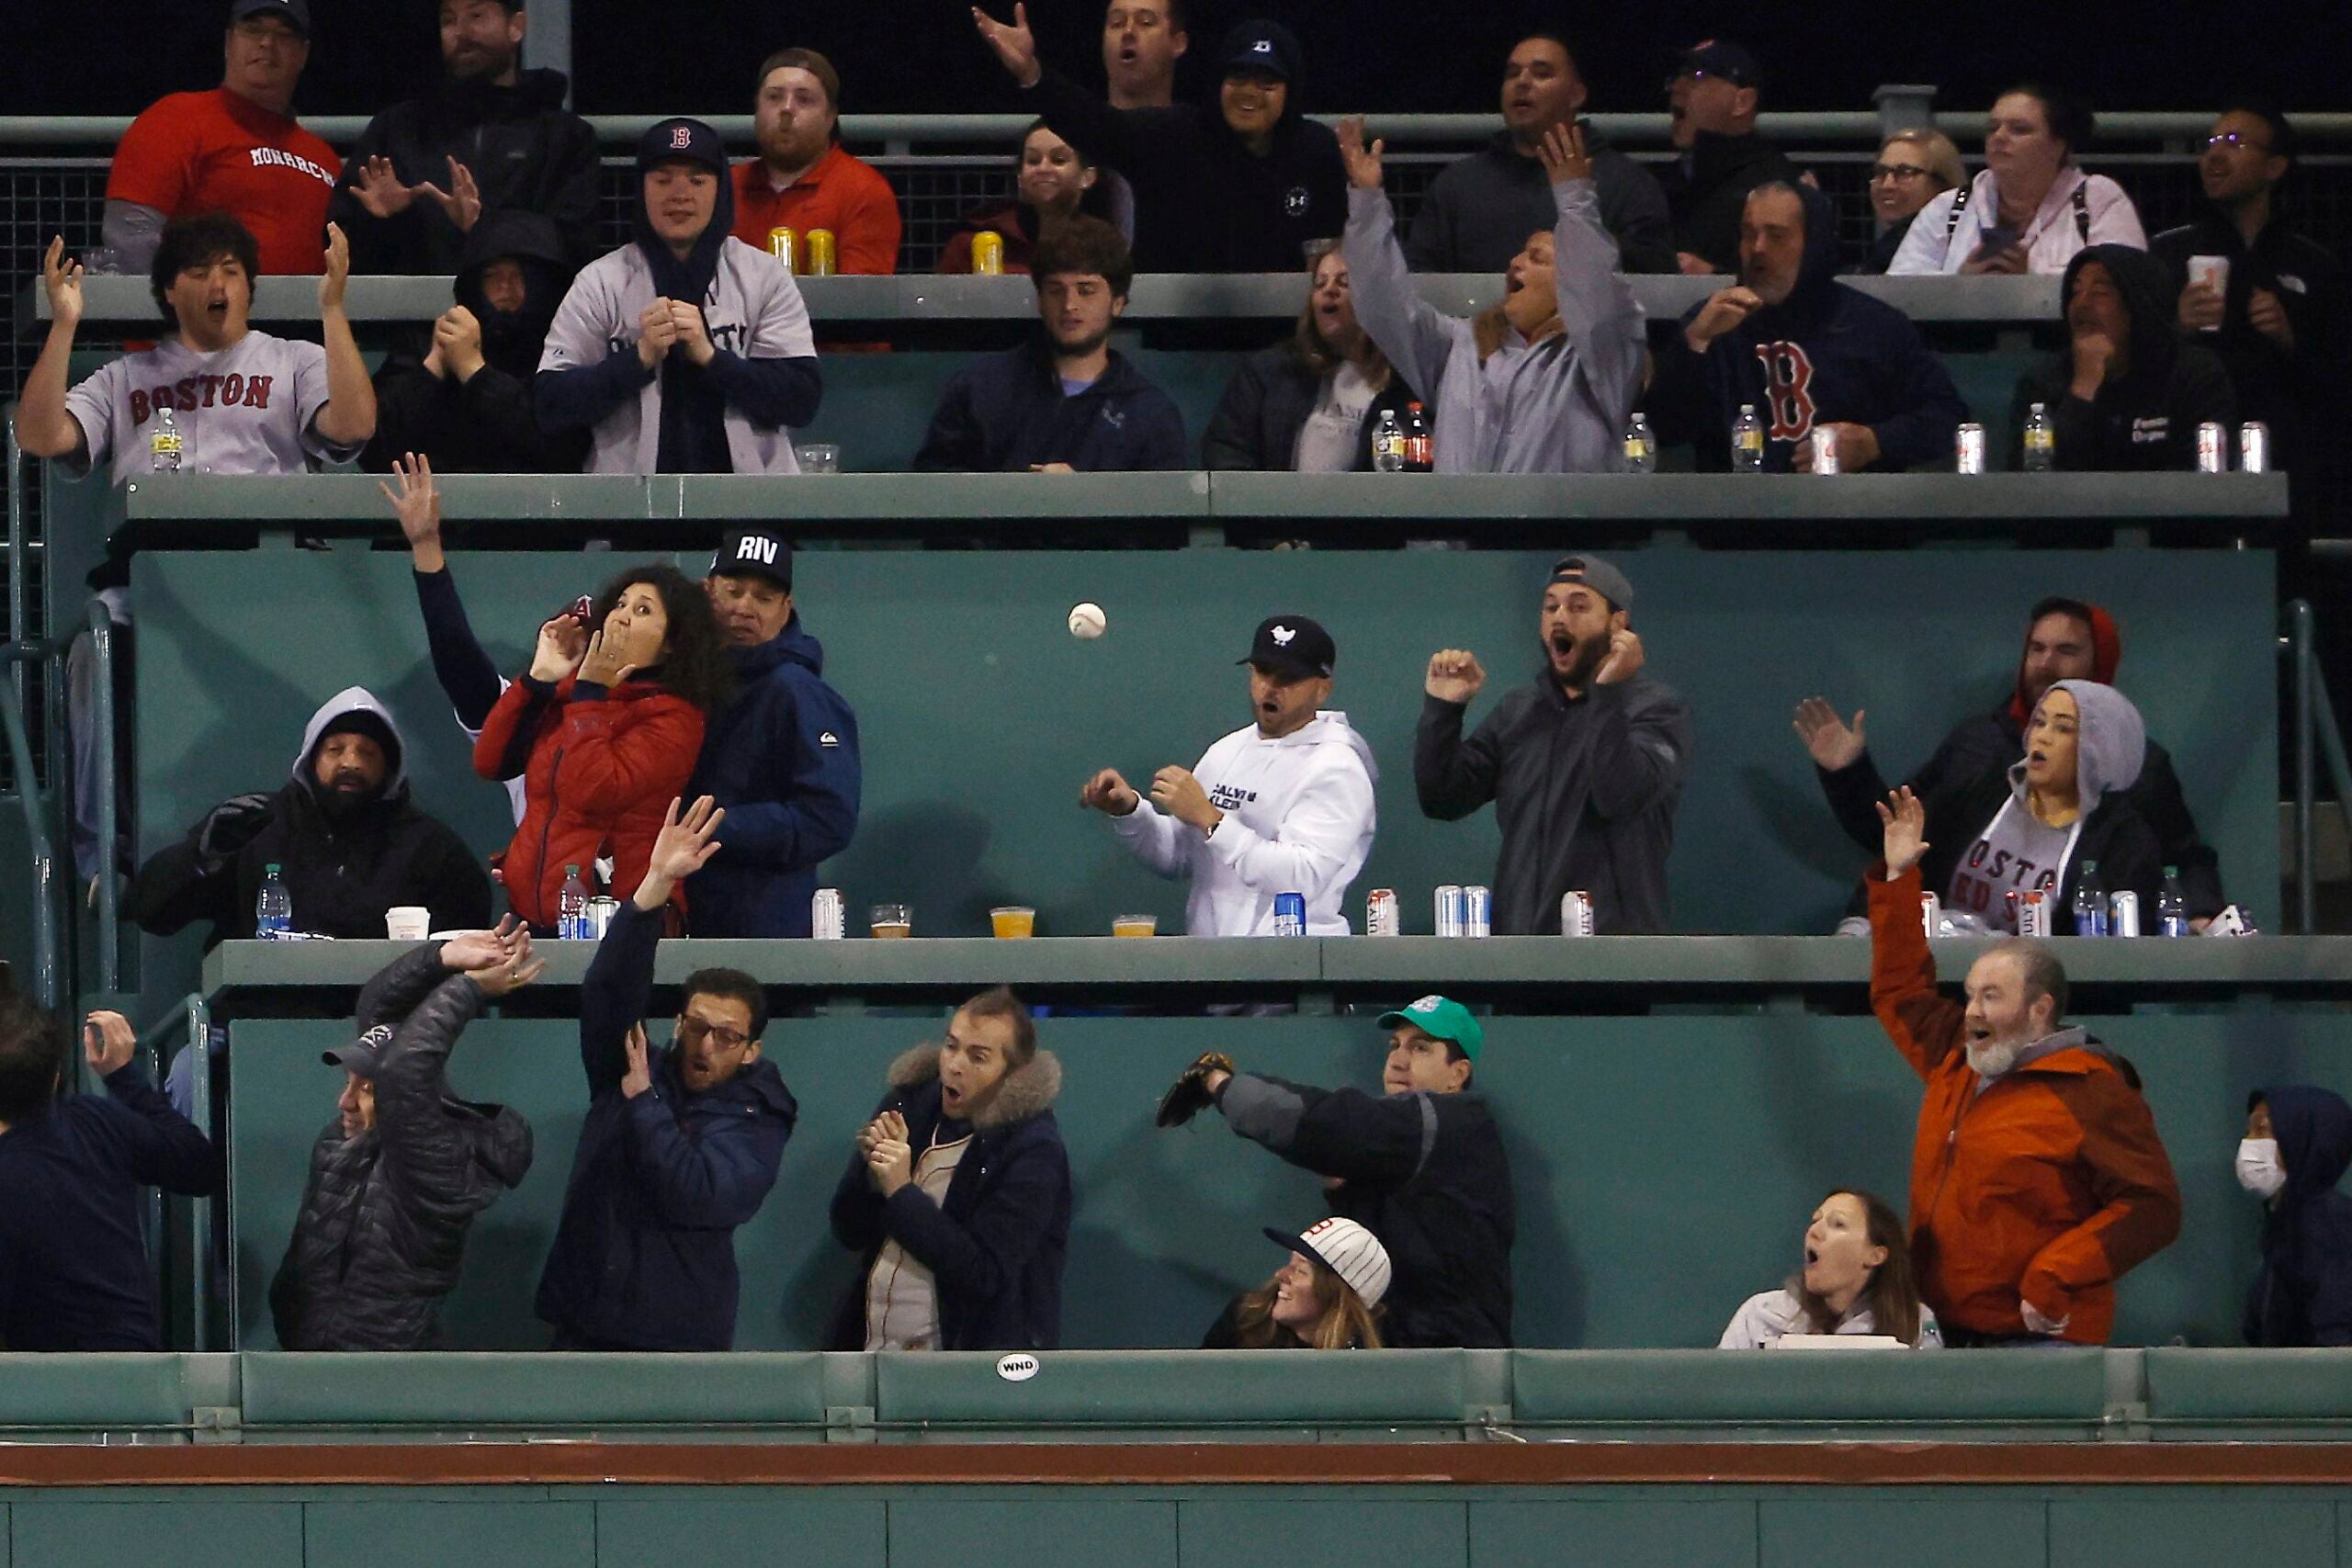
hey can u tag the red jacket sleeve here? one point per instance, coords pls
(151, 164)
(1925, 1027)
(869, 239)
(506, 722)
(617, 755)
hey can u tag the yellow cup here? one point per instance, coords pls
(1134, 925)
(1013, 920)
(893, 921)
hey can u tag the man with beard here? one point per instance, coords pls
(803, 180)
(343, 835)
(2065, 640)
(2037, 1177)
(1806, 352)
(493, 138)
(1065, 402)
(781, 757)
(1585, 763)
(1142, 41)
(465, 407)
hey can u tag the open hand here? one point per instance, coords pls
(108, 1042)
(513, 970)
(337, 271)
(1015, 45)
(1562, 152)
(1110, 794)
(60, 279)
(480, 950)
(1175, 791)
(417, 503)
(1624, 661)
(461, 203)
(640, 1075)
(562, 640)
(1363, 163)
(1904, 818)
(1454, 675)
(685, 843)
(1833, 747)
(379, 190)
(601, 662)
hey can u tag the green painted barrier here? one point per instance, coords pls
(115, 1392)
(1703, 1388)
(383, 1392)
(1175, 1388)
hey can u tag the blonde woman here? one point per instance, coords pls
(1913, 167)
(1326, 1298)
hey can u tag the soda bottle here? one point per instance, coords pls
(1420, 446)
(2172, 906)
(273, 911)
(1641, 445)
(164, 446)
(571, 908)
(2041, 440)
(1388, 444)
(1747, 441)
(2090, 902)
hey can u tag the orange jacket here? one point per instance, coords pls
(2050, 1185)
(841, 193)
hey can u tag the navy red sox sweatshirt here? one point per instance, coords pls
(1825, 355)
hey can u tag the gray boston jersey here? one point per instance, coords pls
(245, 409)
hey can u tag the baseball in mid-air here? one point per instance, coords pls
(1087, 621)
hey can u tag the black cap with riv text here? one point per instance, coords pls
(763, 550)
(1293, 646)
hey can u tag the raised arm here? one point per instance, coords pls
(1452, 777)
(1597, 306)
(620, 977)
(1641, 748)
(349, 417)
(1416, 339)
(1344, 1132)
(159, 1146)
(44, 428)
(1925, 1027)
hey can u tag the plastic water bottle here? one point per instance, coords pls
(1388, 444)
(2041, 440)
(2172, 906)
(1641, 445)
(164, 446)
(1420, 443)
(1747, 441)
(2090, 902)
(571, 908)
(273, 911)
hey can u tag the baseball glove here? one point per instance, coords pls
(1189, 1094)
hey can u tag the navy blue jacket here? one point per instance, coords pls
(782, 758)
(644, 1255)
(73, 1269)
(1828, 354)
(995, 1246)
(2303, 1293)
(1004, 411)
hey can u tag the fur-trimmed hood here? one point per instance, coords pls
(1027, 1091)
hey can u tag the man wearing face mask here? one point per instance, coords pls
(957, 1197)
(2298, 1142)
(2037, 1177)
(1585, 763)
(348, 841)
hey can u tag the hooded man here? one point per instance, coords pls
(1795, 343)
(466, 405)
(781, 757)
(346, 839)
(686, 351)
(2297, 1142)
(1585, 763)
(1543, 382)
(1712, 103)
(957, 1198)
(2064, 639)
(1281, 806)
(399, 1175)
(2037, 1177)
(2125, 392)
(493, 137)
(1421, 1165)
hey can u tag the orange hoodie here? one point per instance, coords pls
(2048, 1186)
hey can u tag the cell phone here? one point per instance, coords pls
(1994, 241)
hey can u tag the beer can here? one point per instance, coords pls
(1825, 449)
(1381, 916)
(817, 254)
(601, 912)
(828, 916)
(2212, 448)
(1452, 909)
(987, 254)
(784, 245)
(1575, 914)
(2254, 448)
(1931, 915)
(2034, 914)
(1290, 914)
(1477, 911)
(1972, 449)
(2124, 917)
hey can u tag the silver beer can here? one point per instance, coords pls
(828, 916)
(2212, 448)
(2254, 448)
(1478, 911)
(1381, 916)
(1575, 914)
(1825, 449)
(599, 916)
(1452, 909)
(2124, 914)
(2034, 914)
(1931, 915)
(1972, 449)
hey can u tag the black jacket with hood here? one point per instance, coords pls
(1834, 356)
(1272, 394)
(2302, 1293)
(344, 867)
(996, 1244)
(1706, 189)
(1426, 1173)
(381, 1233)
(484, 424)
(524, 150)
(2146, 419)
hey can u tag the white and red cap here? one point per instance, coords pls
(1349, 1250)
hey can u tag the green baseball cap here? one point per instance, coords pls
(1442, 1018)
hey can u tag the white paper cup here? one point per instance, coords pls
(407, 922)
(2214, 273)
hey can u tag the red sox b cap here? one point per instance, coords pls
(681, 138)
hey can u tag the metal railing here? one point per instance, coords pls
(2317, 736)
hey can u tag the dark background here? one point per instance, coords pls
(696, 56)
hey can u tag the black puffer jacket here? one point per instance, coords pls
(382, 1230)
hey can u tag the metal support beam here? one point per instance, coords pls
(547, 43)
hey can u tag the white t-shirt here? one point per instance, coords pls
(901, 1297)
(1762, 1320)
(246, 409)
(1330, 439)
(2014, 853)
(1937, 244)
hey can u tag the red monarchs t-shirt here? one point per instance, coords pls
(215, 152)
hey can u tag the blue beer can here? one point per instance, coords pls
(1290, 914)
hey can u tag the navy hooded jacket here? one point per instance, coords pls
(1004, 411)
(644, 1254)
(1828, 354)
(2303, 1293)
(782, 758)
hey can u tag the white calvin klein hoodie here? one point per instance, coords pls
(1298, 819)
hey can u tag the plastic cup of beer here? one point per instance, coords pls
(2213, 272)
(1012, 920)
(407, 922)
(818, 457)
(1134, 925)
(892, 920)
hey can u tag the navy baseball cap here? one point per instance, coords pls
(761, 550)
(1263, 46)
(1291, 645)
(295, 13)
(364, 1055)
(673, 139)
(1721, 57)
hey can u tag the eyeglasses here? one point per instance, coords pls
(1898, 172)
(2232, 139)
(691, 1028)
